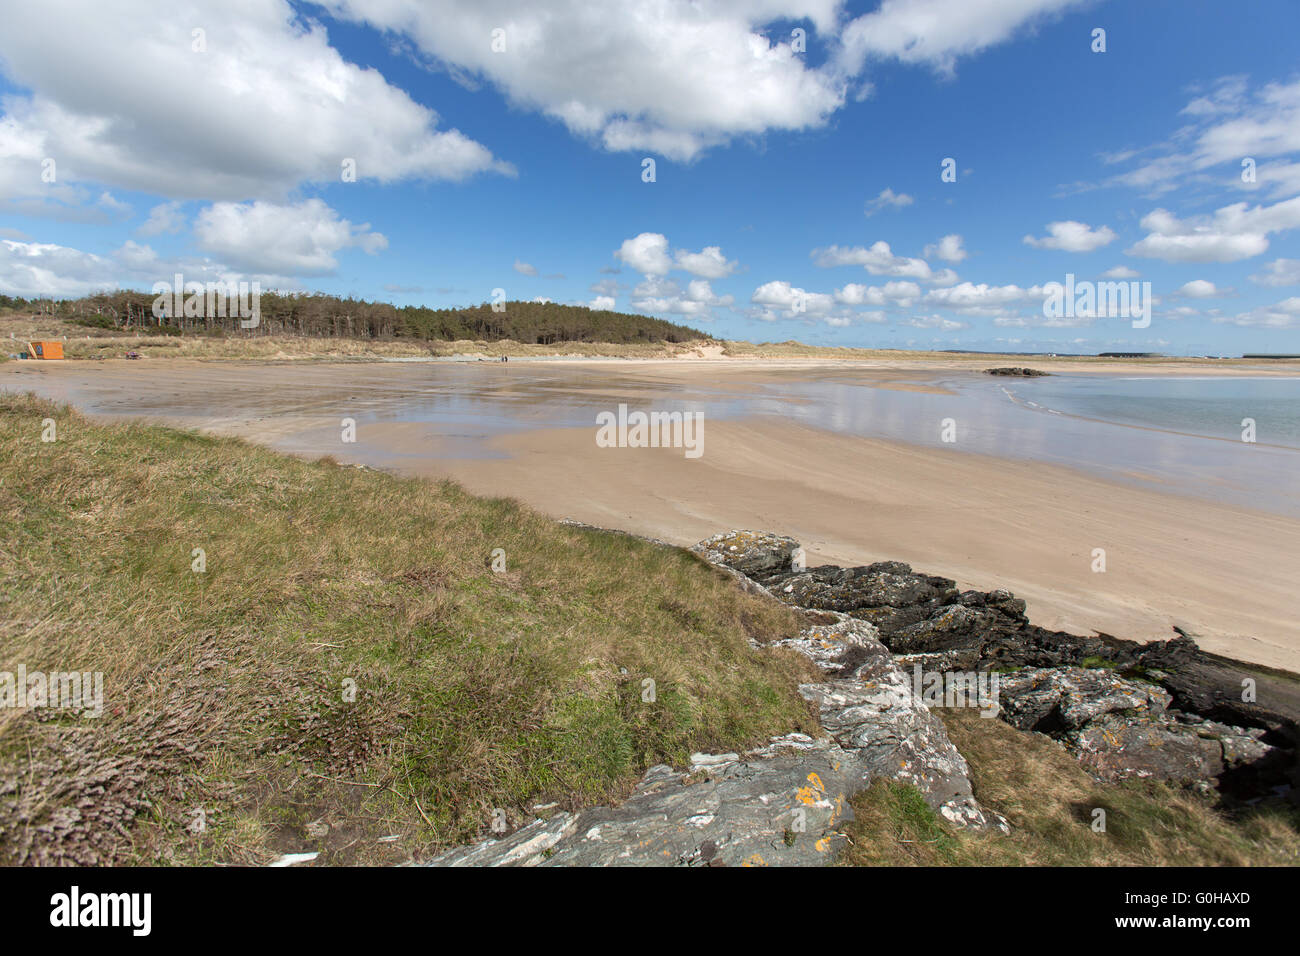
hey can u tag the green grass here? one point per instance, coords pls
(1051, 804)
(225, 690)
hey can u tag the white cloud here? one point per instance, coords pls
(118, 96)
(648, 254)
(670, 77)
(878, 260)
(677, 77)
(115, 206)
(979, 299)
(1284, 315)
(165, 217)
(1072, 236)
(299, 239)
(1036, 320)
(1199, 289)
(949, 249)
(1234, 232)
(525, 269)
(899, 293)
(1121, 272)
(887, 199)
(1229, 124)
(32, 269)
(1279, 272)
(603, 303)
(935, 322)
(657, 294)
(795, 301)
(936, 32)
(709, 262)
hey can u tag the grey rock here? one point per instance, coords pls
(1018, 371)
(1066, 698)
(756, 554)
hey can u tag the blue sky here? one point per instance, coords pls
(797, 194)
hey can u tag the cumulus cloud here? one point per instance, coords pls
(879, 260)
(780, 294)
(165, 217)
(1199, 289)
(648, 253)
(981, 298)
(936, 33)
(1279, 272)
(677, 77)
(1283, 315)
(298, 239)
(949, 249)
(709, 262)
(523, 268)
(658, 294)
(1234, 232)
(886, 200)
(266, 105)
(935, 322)
(34, 269)
(1121, 272)
(672, 78)
(900, 293)
(1072, 236)
(602, 303)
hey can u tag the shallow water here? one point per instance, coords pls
(1172, 433)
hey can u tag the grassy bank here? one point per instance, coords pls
(83, 342)
(1050, 803)
(228, 732)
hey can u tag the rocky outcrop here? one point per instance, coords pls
(755, 554)
(781, 805)
(1024, 372)
(1166, 710)
(1120, 728)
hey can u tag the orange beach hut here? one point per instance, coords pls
(46, 350)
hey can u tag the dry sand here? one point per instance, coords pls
(1226, 574)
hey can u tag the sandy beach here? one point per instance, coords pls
(1224, 573)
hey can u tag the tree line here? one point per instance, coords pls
(317, 315)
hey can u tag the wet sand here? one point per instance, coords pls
(1225, 573)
